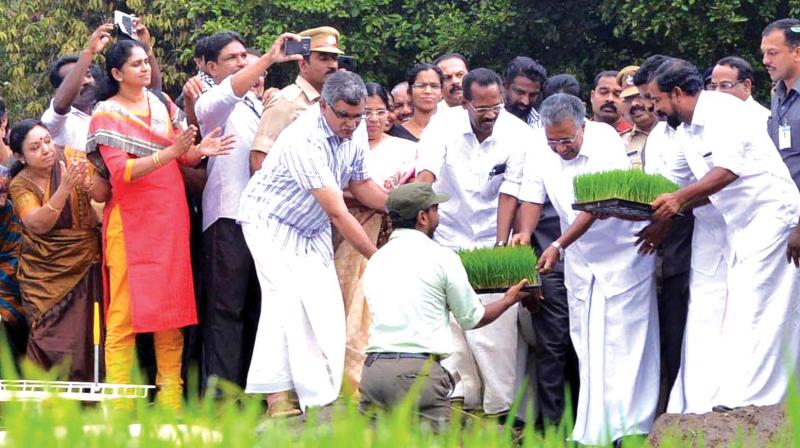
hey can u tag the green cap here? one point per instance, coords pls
(409, 199)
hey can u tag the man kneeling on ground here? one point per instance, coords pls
(411, 285)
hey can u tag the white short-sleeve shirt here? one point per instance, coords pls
(70, 129)
(763, 202)
(606, 251)
(473, 173)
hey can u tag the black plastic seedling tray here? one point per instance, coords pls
(529, 288)
(617, 207)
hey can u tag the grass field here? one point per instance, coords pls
(238, 421)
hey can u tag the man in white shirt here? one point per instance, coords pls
(740, 173)
(410, 299)
(231, 286)
(473, 153)
(734, 75)
(455, 68)
(611, 289)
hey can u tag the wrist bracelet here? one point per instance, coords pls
(157, 160)
(51, 208)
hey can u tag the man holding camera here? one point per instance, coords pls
(287, 104)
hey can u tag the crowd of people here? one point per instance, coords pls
(300, 243)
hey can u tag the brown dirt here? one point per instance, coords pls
(757, 426)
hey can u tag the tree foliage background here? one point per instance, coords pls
(581, 37)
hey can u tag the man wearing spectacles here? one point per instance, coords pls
(610, 288)
(286, 211)
(473, 153)
(734, 75)
(780, 46)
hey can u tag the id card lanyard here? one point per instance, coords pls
(784, 128)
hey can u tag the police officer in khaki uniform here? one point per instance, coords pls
(287, 104)
(636, 111)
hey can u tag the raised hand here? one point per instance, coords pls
(100, 38)
(214, 144)
(277, 53)
(142, 33)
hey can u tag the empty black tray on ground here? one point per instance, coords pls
(617, 207)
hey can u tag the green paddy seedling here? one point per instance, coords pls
(499, 267)
(630, 185)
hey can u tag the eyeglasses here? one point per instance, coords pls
(724, 85)
(380, 113)
(486, 109)
(345, 116)
(426, 85)
(564, 141)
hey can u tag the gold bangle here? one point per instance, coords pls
(52, 209)
(157, 160)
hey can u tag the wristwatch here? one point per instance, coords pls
(557, 245)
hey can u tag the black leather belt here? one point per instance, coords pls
(371, 357)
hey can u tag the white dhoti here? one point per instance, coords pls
(761, 328)
(300, 342)
(616, 339)
(489, 363)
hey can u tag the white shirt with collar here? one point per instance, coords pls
(606, 251)
(410, 296)
(757, 111)
(229, 174)
(473, 173)
(70, 129)
(763, 202)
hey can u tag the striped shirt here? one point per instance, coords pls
(307, 155)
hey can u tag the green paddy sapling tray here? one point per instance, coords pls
(621, 193)
(496, 269)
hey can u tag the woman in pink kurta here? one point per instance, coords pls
(136, 143)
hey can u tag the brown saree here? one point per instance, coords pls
(59, 276)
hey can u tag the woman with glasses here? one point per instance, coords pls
(425, 88)
(390, 161)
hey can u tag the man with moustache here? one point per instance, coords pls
(455, 67)
(403, 110)
(635, 110)
(473, 153)
(230, 283)
(756, 334)
(288, 103)
(780, 45)
(524, 82)
(734, 75)
(606, 102)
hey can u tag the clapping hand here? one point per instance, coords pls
(184, 141)
(74, 174)
(214, 144)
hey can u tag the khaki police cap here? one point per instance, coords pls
(409, 199)
(625, 80)
(324, 39)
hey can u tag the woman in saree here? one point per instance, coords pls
(59, 262)
(136, 142)
(390, 162)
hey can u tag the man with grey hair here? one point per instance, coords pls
(610, 288)
(286, 212)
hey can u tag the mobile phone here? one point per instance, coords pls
(347, 63)
(123, 25)
(302, 46)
